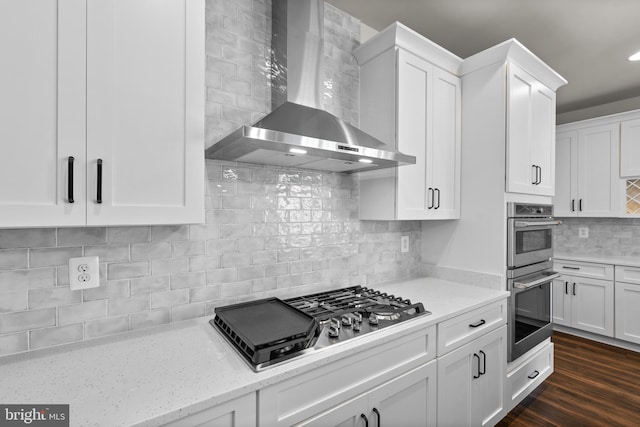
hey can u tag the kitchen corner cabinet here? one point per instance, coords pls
(471, 382)
(587, 172)
(239, 412)
(413, 104)
(584, 297)
(103, 112)
(531, 109)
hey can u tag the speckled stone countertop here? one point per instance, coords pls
(601, 259)
(153, 376)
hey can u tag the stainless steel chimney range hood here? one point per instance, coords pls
(298, 133)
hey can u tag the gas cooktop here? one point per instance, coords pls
(269, 331)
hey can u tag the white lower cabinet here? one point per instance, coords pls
(471, 382)
(627, 296)
(584, 303)
(408, 400)
(239, 412)
(528, 372)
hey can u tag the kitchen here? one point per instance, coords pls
(266, 231)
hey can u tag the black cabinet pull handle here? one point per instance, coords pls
(70, 182)
(438, 190)
(573, 205)
(535, 374)
(580, 205)
(484, 363)
(99, 192)
(477, 357)
(566, 267)
(535, 174)
(574, 288)
(375, 411)
(566, 288)
(540, 176)
(366, 421)
(430, 198)
(475, 325)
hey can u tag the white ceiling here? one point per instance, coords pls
(586, 41)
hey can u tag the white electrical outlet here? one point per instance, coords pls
(583, 232)
(84, 273)
(404, 244)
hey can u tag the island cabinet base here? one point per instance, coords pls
(528, 372)
(239, 412)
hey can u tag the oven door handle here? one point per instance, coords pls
(524, 224)
(528, 285)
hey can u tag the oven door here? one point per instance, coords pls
(529, 241)
(529, 311)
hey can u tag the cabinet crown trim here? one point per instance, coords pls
(399, 35)
(514, 51)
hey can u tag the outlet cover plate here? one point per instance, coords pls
(583, 232)
(404, 244)
(84, 272)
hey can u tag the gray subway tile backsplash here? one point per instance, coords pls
(269, 231)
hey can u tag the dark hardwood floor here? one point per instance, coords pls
(593, 384)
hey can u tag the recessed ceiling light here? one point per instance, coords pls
(365, 161)
(297, 151)
(635, 57)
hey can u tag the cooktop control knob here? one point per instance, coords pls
(373, 319)
(356, 327)
(347, 321)
(334, 332)
(358, 317)
(335, 323)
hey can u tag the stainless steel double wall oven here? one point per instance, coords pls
(529, 275)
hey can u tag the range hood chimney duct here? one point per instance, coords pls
(298, 133)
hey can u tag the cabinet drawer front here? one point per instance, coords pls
(306, 395)
(529, 375)
(628, 274)
(462, 329)
(584, 269)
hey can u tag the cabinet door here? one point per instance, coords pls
(488, 391)
(409, 400)
(627, 325)
(466, 396)
(145, 111)
(42, 109)
(561, 300)
(443, 154)
(543, 139)
(414, 105)
(564, 202)
(630, 148)
(598, 157)
(239, 412)
(592, 305)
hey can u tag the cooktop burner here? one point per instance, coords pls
(269, 331)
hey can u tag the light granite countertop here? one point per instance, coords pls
(157, 375)
(601, 259)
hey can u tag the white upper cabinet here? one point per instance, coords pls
(531, 109)
(410, 99)
(630, 148)
(42, 136)
(119, 84)
(587, 172)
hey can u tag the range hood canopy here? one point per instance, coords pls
(298, 133)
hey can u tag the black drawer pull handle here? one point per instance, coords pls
(535, 374)
(366, 421)
(474, 375)
(375, 411)
(475, 325)
(566, 267)
(70, 183)
(99, 192)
